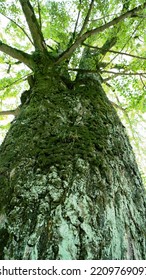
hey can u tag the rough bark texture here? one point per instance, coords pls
(69, 184)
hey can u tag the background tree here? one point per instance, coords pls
(70, 187)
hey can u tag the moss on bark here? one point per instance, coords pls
(70, 186)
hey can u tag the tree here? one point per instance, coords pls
(70, 186)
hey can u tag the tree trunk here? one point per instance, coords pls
(70, 187)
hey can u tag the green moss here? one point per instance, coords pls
(65, 177)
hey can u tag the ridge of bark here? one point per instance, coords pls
(70, 187)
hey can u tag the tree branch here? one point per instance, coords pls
(17, 81)
(117, 106)
(83, 70)
(18, 26)
(76, 24)
(73, 36)
(86, 18)
(33, 25)
(127, 54)
(39, 12)
(10, 112)
(104, 71)
(115, 74)
(97, 30)
(95, 20)
(144, 85)
(127, 41)
(17, 54)
(118, 52)
(124, 73)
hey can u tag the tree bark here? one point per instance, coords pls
(70, 187)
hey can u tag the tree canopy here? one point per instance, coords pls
(114, 33)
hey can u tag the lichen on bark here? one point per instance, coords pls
(70, 185)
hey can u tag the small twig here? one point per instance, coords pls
(115, 74)
(117, 106)
(86, 18)
(144, 86)
(131, 126)
(16, 81)
(125, 114)
(39, 12)
(123, 73)
(95, 20)
(127, 54)
(18, 26)
(77, 20)
(126, 42)
(118, 52)
(104, 71)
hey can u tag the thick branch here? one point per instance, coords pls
(97, 30)
(33, 25)
(17, 54)
(10, 112)
(83, 70)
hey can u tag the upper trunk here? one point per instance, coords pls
(70, 187)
